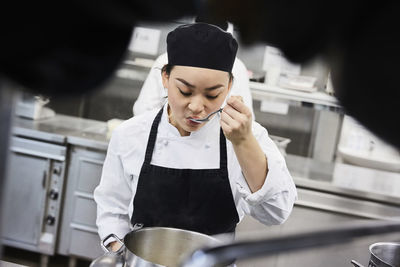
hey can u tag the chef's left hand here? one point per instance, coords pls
(236, 120)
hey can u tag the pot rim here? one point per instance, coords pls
(210, 240)
(396, 244)
(173, 230)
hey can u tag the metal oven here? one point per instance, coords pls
(32, 194)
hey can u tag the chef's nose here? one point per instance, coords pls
(196, 105)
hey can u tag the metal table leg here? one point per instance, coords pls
(44, 260)
(72, 261)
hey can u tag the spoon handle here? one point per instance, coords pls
(208, 116)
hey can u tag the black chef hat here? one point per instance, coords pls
(201, 45)
(220, 22)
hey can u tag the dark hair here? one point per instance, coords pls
(167, 68)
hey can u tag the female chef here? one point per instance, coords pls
(163, 169)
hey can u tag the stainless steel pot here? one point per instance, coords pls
(384, 254)
(154, 247)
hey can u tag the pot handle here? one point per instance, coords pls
(137, 226)
(356, 263)
(117, 239)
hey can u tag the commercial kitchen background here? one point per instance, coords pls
(342, 172)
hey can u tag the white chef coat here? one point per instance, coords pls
(114, 195)
(153, 94)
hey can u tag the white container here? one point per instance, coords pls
(273, 74)
(281, 143)
(33, 108)
(360, 147)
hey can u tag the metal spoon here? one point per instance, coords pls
(207, 117)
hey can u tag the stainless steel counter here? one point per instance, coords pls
(344, 179)
(10, 264)
(64, 129)
(337, 178)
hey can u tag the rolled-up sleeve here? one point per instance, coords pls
(273, 203)
(113, 195)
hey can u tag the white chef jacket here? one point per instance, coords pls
(114, 195)
(153, 94)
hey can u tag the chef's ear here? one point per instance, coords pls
(165, 79)
(230, 84)
(165, 74)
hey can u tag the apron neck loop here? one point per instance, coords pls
(152, 138)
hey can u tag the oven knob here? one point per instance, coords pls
(50, 220)
(53, 194)
(57, 170)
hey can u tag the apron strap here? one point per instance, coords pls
(222, 152)
(152, 138)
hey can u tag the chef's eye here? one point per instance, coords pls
(184, 93)
(212, 96)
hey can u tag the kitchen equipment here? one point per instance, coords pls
(281, 143)
(298, 82)
(32, 107)
(34, 187)
(361, 147)
(154, 247)
(207, 117)
(383, 254)
(273, 74)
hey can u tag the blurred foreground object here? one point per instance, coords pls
(7, 98)
(67, 47)
(289, 242)
(357, 39)
(70, 47)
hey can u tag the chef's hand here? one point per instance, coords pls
(114, 246)
(236, 124)
(236, 120)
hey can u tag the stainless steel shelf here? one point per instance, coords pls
(261, 91)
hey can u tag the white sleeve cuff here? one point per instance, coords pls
(113, 225)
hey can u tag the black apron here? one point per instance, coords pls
(198, 200)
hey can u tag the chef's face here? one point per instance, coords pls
(194, 93)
